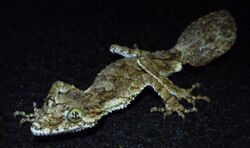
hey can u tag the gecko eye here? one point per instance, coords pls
(74, 115)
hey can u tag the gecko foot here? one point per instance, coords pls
(171, 106)
(27, 117)
(187, 95)
(194, 86)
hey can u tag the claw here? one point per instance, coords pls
(24, 120)
(23, 114)
(181, 114)
(19, 113)
(157, 109)
(165, 111)
(200, 97)
(205, 98)
(35, 107)
(196, 85)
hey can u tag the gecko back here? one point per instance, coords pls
(207, 38)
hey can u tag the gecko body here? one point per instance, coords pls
(68, 109)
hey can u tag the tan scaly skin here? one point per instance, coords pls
(68, 109)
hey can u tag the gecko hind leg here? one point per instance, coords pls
(171, 102)
(180, 93)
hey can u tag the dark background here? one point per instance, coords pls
(69, 41)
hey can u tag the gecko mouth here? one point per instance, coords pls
(48, 132)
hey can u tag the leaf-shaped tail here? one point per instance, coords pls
(207, 38)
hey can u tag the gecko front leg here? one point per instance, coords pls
(127, 52)
(180, 93)
(27, 117)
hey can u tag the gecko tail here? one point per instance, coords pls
(207, 38)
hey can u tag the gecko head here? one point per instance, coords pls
(63, 113)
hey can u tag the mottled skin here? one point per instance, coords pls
(68, 109)
(207, 38)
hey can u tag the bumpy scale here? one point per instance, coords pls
(68, 109)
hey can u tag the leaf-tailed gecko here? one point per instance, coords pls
(68, 109)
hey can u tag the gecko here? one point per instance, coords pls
(68, 109)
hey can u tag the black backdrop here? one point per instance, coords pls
(69, 41)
